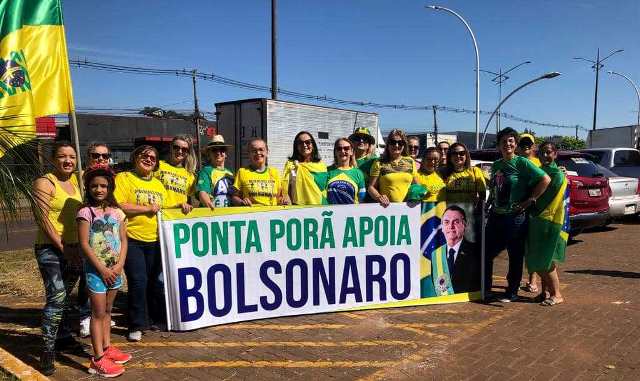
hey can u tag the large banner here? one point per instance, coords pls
(237, 264)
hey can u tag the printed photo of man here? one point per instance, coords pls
(463, 261)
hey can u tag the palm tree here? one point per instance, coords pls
(19, 166)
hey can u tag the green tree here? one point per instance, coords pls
(571, 143)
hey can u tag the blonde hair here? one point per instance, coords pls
(352, 158)
(191, 161)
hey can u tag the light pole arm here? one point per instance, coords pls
(475, 46)
(634, 87)
(545, 76)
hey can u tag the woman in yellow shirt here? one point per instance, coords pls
(257, 184)
(58, 199)
(429, 178)
(304, 177)
(394, 172)
(178, 174)
(141, 196)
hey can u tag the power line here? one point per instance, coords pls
(189, 73)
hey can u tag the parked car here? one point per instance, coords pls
(588, 187)
(621, 161)
(625, 194)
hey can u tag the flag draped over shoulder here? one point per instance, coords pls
(34, 67)
(549, 224)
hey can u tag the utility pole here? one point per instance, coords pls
(196, 118)
(595, 97)
(435, 125)
(274, 51)
(576, 131)
(597, 65)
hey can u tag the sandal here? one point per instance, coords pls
(550, 302)
(541, 297)
(530, 288)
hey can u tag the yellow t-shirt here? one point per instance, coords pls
(310, 184)
(464, 186)
(63, 208)
(178, 182)
(395, 178)
(535, 161)
(434, 184)
(263, 188)
(132, 189)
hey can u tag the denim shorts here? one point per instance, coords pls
(95, 283)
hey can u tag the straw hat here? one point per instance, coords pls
(217, 141)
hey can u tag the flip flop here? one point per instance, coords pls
(529, 288)
(550, 302)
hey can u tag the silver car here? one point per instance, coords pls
(622, 161)
(625, 194)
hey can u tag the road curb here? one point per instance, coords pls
(19, 369)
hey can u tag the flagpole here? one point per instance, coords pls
(73, 125)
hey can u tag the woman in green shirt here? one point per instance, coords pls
(516, 183)
(345, 181)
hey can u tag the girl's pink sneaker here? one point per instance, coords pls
(105, 367)
(116, 355)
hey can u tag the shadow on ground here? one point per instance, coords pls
(611, 273)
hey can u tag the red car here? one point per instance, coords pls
(589, 189)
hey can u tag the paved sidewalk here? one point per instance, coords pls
(594, 335)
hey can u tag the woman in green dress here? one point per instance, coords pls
(548, 228)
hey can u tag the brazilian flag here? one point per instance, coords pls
(34, 67)
(549, 224)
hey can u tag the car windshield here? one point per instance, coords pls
(597, 156)
(581, 166)
(606, 171)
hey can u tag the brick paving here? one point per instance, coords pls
(594, 335)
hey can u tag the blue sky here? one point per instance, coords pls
(372, 50)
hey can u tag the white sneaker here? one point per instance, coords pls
(113, 323)
(135, 336)
(84, 327)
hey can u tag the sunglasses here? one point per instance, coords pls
(146, 156)
(307, 142)
(395, 142)
(344, 148)
(432, 159)
(177, 148)
(359, 139)
(103, 156)
(414, 148)
(459, 153)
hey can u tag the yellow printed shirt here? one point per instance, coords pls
(436, 189)
(395, 178)
(310, 182)
(261, 187)
(178, 182)
(132, 189)
(535, 161)
(464, 186)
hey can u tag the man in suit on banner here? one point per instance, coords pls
(463, 262)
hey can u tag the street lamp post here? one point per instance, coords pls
(549, 75)
(501, 77)
(475, 45)
(597, 65)
(637, 129)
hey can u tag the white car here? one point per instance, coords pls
(625, 194)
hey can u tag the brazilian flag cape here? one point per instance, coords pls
(310, 187)
(549, 224)
(34, 67)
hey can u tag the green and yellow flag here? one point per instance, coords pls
(549, 224)
(34, 67)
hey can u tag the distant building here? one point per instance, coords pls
(123, 133)
(427, 139)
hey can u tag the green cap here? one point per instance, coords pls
(416, 192)
(363, 132)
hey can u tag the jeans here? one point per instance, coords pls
(506, 231)
(143, 267)
(59, 278)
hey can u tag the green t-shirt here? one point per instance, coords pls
(217, 183)
(345, 186)
(365, 164)
(512, 181)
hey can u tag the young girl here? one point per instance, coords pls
(102, 232)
